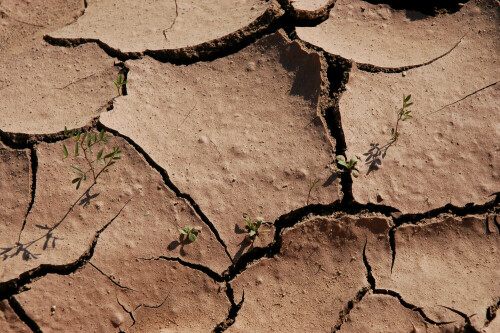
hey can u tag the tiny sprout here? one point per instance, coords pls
(312, 184)
(349, 166)
(253, 228)
(191, 233)
(403, 114)
(119, 83)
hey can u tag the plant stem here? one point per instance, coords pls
(88, 162)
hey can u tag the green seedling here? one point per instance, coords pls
(348, 166)
(84, 143)
(312, 184)
(190, 233)
(403, 114)
(253, 228)
(119, 83)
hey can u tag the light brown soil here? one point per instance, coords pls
(233, 109)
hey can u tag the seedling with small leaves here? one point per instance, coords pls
(119, 83)
(84, 143)
(253, 228)
(403, 114)
(190, 233)
(312, 184)
(348, 166)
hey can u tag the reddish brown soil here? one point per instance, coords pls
(234, 109)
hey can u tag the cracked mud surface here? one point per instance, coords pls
(234, 109)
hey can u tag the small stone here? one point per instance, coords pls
(53, 308)
(116, 319)
(404, 73)
(251, 66)
(203, 139)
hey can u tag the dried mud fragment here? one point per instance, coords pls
(84, 301)
(23, 22)
(446, 262)
(309, 10)
(450, 151)
(63, 221)
(161, 296)
(318, 271)
(134, 27)
(381, 36)
(9, 321)
(51, 87)
(384, 314)
(240, 135)
(15, 183)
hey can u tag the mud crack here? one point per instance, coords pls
(173, 22)
(19, 284)
(21, 313)
(33, 173)
(372, 282)
(466, 96)
(110, 278)
(207, 271)
(233, 310)
(269, 22)
(376, 69)
(170, 184)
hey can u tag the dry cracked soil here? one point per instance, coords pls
(231, 110)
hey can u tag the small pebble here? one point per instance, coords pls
(404, 73)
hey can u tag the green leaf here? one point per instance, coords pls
(99, 154)
(248, 222)
(182, 232)
(192, 237)
(77, 170)
(76, 149)
(95, 137)
(257, 226)
(252, 233)
(89, 140)
(392, 131)
(65, 151)
(117, 158)
(65, 131)
(75, 180)
(352, 162)
(78, 185)
(407, 98)
(187, 229)
(73, 133)
(409, 104)
(343, 163)
(101, 134)
(78, 136)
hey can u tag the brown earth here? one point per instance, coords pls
(234, 109)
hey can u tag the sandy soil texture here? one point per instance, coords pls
(175, 166)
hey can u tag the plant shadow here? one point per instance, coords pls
(376, 154)
(183, 241)
(23, 249)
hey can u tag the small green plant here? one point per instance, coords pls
(312, 184)
(348, 166)
(190, 233)
(84, 143)
(253, 228)
(403, 114)
(119, 83)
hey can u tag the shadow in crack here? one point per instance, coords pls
(375, 154)
(23, 249)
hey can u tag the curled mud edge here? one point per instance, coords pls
(267, 23)
(307, 18)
